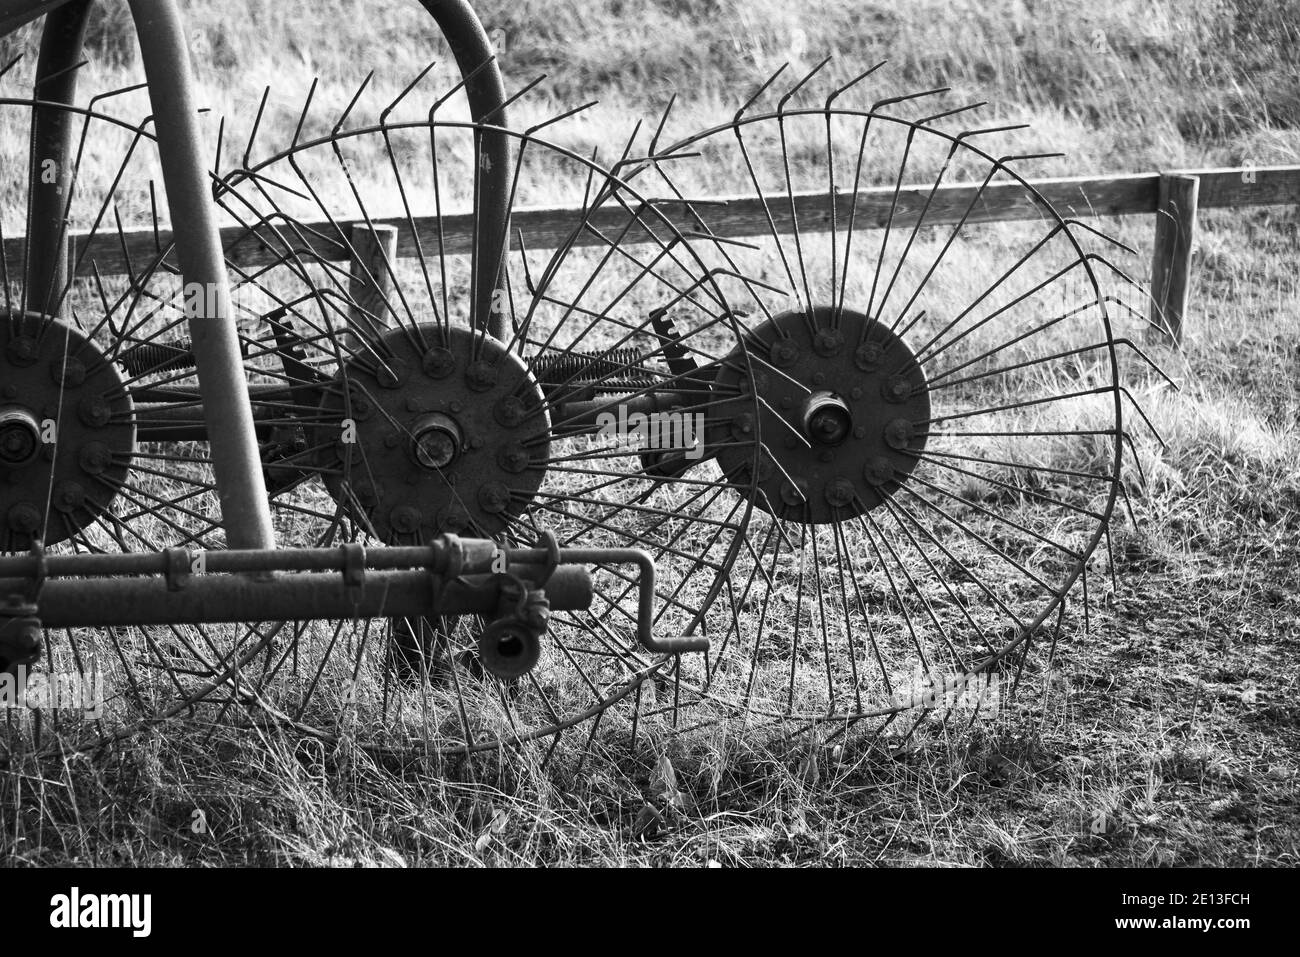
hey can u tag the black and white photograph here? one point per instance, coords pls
(693, 434)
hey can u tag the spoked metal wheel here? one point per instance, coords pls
(387, 415)
(940, 398)
(391, 416)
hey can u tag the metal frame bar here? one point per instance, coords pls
(236, 460)
(485, 88)
(47, 265)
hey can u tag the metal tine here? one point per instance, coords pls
(257, 124)
(780, 106)
(55, 76)
(1101, 235)
(140, 132)
(460, 83)
(1125, 341)
(952, 112)
(906, 97)
(302, 117)
(4, 71)
(558, 117)
(759, 92)
(384, 113)
(1125, 437)
(1129, 309)
(852, 83)
(523, 91)
(216, 157)
(713, 237)
(1145, 418)
(347, 110)
(663, 122)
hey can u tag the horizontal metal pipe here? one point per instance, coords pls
(216, 599)
(469, 555)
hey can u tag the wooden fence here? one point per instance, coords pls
(1174, 197)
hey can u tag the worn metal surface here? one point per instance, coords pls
(214, 599)
(236, 462)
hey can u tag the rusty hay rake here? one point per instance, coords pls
(344, 435)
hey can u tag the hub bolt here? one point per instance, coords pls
(898, 434)
(95, 411)
(828, 342)
(878, 471)
(439, 362)
(494, 497)
(896, 388)
(23, 350)
(481, 375)
(69, 372)
(784, 353)
(513, 458)
(68, 496)
(95, 457)
(794, 493)
(867, 357)
(392, 373)
(509, 411)
(24, 518)
(453, 518)
(839, 492)
(405, 519)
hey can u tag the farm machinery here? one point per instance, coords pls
(360, 433)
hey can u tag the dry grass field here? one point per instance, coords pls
(1166, 733)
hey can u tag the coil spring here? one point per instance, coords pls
(149, 358)
(616, 370)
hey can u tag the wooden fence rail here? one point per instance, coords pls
(1174, 196)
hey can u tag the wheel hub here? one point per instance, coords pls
(843, 413)
(439, 435)
(66, 431)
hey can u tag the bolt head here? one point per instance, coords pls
(94, 411)
(481, 375)
(68, 371)
(784, 353)
(896, 388)
(23, 350)
(898, 434)
(439, 363)
(95, 457)
(509, 411)
(839, 492)
(742, 426)
(68, 496)
(828, 342)
(867, 356)
(405, 519)
(794, 493)
(513, 458)
(392, 373)
(878, 471)
(493, 497)
(24, 518)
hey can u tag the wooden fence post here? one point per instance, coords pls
(1171, 261)
(375, 254)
